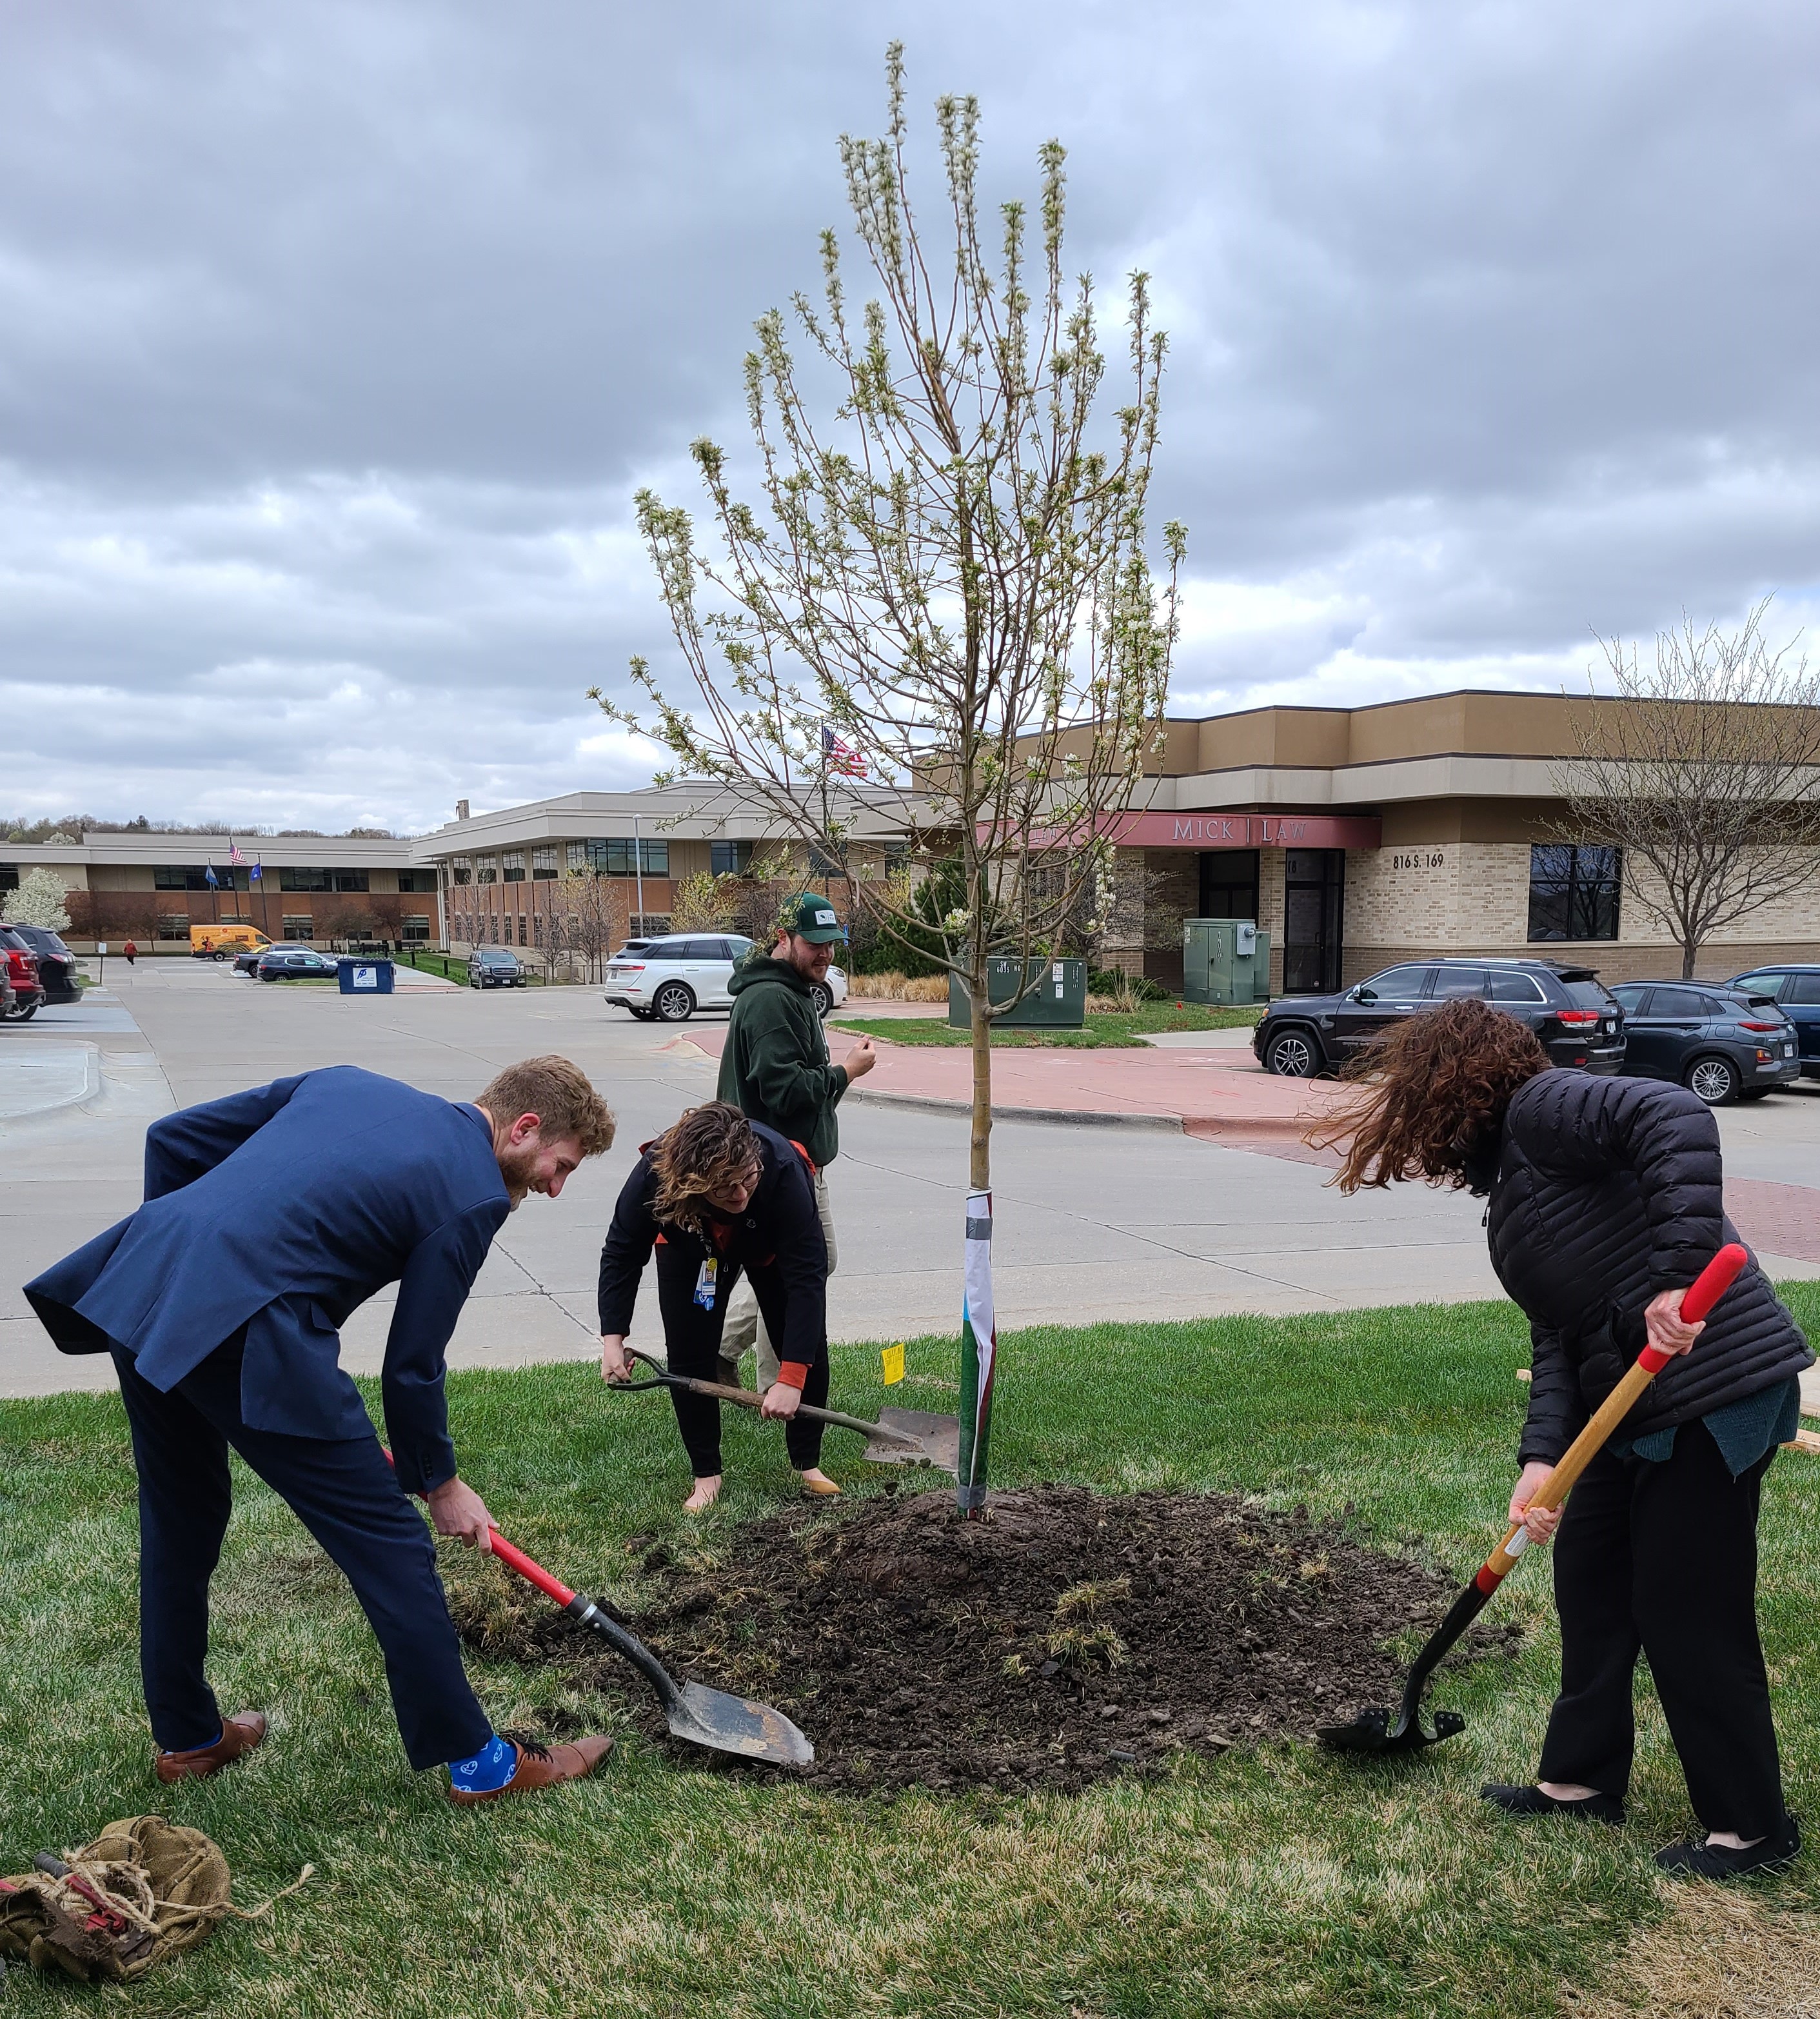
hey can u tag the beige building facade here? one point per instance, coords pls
(1359, 837)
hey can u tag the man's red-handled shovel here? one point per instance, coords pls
(1374, 1731)
(701, 1716)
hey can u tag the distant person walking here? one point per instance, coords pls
(131, 952)
(776, 1068)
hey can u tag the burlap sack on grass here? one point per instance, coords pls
(169, 1882)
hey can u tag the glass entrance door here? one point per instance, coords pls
(1314, 917)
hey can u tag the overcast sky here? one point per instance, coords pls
(334, 340)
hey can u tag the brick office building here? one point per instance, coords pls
(152, 888)
(1358, 837)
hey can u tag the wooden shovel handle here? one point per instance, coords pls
(747, 1400)
(1700, 1295)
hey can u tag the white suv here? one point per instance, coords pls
(672, 977)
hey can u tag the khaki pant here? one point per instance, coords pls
(744, 1328)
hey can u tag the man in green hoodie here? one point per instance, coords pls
(775, 1068)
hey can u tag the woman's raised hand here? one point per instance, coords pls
(1669, 1332)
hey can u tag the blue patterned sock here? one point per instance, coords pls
(488, 1771)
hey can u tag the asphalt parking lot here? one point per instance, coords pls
(1093, 1222)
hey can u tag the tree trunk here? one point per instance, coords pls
(1689, 949)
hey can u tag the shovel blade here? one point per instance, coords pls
(727, 1723)
(937, 1440)
(1384, 1730)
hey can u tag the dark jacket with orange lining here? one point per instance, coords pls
(780, 1229)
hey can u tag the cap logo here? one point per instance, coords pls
(824, 918)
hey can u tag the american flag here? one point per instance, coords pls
(841, 757)
(234, 850)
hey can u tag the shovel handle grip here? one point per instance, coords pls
(515, 1559)
(1697, 1301)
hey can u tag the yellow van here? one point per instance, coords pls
(220, 941)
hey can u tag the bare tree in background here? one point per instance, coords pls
(944, 586)
(1704, 768)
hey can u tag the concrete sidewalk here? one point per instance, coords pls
(1217, 1090)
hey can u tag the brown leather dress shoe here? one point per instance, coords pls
(239, 1734)
(541, 1766)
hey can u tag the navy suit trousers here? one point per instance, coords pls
(344, 1494)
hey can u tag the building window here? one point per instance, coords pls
(577, 855)
(614, 858)
(648, 925)
(1573, 891)
(488, 872)
(730, 858)
(299, 928)
(464, 870)
(180, 876)
(417, 879)
(173, 925)
(521, 931)
(823, 866)
(416, 931)
(897, 858)
(543, 865)
(1228, 883)
(350, 879)
(9, 875)
(511, 863)
(301, 879)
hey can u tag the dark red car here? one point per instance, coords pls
(22, 973)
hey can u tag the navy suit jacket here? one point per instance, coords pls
(283, 1209)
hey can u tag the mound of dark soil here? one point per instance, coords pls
(1069, 1636)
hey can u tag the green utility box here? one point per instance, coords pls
(1057, 1000)
(1225, 961)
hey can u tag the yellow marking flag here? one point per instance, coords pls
(892, 1357)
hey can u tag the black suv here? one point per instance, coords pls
(495, 967)
(1726, 1041)
(1568, 1008)
(56, 965)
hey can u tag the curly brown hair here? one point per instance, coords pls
(1436, 1085)
(561, 1096)
(711, 1147)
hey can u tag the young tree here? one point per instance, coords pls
(37, 901)
(943, 587)
(1704, 769)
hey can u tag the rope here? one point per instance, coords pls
(126, 1887)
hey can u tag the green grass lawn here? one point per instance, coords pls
(1284, 1882)
(1104, 1027)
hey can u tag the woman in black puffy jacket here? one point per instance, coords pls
(1605, 1203)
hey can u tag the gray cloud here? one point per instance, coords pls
(334, 339)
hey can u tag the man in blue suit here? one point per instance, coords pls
(268, 1217)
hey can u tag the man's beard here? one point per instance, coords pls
(516, 1167)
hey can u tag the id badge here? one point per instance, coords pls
(704, 1284)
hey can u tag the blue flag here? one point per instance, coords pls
(254, 872)
(212, 884)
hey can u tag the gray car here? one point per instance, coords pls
(1724, 1043)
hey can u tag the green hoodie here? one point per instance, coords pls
(775, 1063)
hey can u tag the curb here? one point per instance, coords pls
(91, 1085)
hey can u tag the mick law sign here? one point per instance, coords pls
(1171, 830)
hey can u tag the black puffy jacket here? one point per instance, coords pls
(1606, 1192)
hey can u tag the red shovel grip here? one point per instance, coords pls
(533, 1572)
(1700, 1295)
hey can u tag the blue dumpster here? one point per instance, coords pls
(365, 977)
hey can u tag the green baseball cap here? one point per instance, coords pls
(810, 918)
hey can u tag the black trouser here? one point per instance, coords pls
(1662, 1558)
(692, 1345)
(345, 1493)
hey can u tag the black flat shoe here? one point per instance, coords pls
(1714, 1861)
(1531, 1802)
